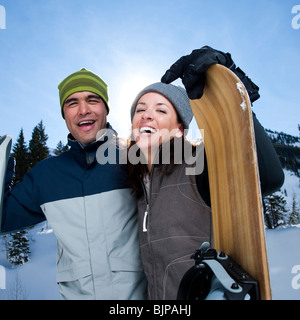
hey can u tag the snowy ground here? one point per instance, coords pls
(284, 256)
(291, 188)
(36, 280)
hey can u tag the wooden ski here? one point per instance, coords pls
(224, 112)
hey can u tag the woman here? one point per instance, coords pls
(173, 206)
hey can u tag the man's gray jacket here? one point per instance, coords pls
(93, 215)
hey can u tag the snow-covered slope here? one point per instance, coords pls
(36, 279)
(290, 188)
(284, 257)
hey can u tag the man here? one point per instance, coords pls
(88, 205)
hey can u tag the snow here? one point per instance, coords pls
(241, 91)
(291, 187)
(284, 255)
(285, 138)
(36, 279)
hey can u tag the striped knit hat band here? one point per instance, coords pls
(79, 81)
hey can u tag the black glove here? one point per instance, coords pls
(191, 69)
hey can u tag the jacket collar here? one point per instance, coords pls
(86, 154)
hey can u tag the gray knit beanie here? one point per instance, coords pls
(175, 94)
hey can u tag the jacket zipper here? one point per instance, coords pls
(145, 219)
(147, 207)
(145, 222)
(148, 198)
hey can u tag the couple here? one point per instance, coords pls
(103, 245)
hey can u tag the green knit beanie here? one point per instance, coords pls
(83, 80)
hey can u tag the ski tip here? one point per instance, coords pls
(6, 137)
(6, 140)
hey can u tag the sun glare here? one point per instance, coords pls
(127, 92)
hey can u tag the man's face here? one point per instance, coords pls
(85, 114)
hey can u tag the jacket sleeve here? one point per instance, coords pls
(270, 170)
(21, 206)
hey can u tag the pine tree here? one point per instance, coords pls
(20, 153)
(274, 210)
(18, 251)
(37, 145)
(60, 148)
(295, 215)
(18, 248)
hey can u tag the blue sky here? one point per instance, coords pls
(130, 44)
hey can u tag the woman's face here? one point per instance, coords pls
(155, 121)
